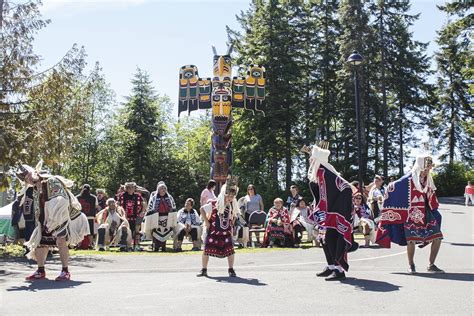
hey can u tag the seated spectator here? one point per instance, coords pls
(89, 206)
(23, 215)
(161, 217)
(299, 222)
(189, 225)
(131, 202)
(241, 229)
(113, 228)
(363, 220)
(277, 226)
(252, 202)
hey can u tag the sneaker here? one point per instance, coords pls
(203, 273)
(36, 276)
(434, 269)
(137, 248)
(336, 276)
(179, 249)
(123, 249)
(64, 276)
(325, 273)
(196, 249)
(232, 273)
(411, 269)
(101, 249)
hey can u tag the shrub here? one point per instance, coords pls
(451, 179)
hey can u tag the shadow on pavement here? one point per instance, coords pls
(468, 277)
(86, 261)
(46, 285)
(371, 285)
(458, 200)
(460, 244)
(238, 280)
(78, 261)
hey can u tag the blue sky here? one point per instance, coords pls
(160, 35)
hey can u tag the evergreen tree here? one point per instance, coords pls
(404, 95)
(453, 121)
(269, 39)
(141, 119)
(355, 36)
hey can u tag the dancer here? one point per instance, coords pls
(410, 214)
(219, 216)
(59, 221)
(332, 211)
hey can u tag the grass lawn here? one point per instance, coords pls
(17, 251)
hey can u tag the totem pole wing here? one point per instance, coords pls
(238, 93)
(254, 88)
(188, 89)
(204, 93)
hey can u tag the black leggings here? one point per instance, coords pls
(193, 232)
(298, 229)
(123, 240)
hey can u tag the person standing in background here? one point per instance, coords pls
(101, 199)
(292, 200)
(469, 193)
(207, 194)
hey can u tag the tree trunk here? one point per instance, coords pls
(384, 95)
(275, 168)
(452, 135)
(307, 125)
(2, 2)
(288, 149)
(376, 153)
(400, 139)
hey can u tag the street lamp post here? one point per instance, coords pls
(355, 59)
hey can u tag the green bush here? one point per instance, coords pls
(452, 179)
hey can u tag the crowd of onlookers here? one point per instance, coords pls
(133, 215)
(123, 220)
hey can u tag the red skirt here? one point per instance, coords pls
(219, 241)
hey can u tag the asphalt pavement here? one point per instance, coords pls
(268, 282)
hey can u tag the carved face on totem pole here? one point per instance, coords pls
(221, 116)
(221, 94)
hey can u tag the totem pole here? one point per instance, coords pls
(221, 94)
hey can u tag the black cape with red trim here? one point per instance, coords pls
(332, 209)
